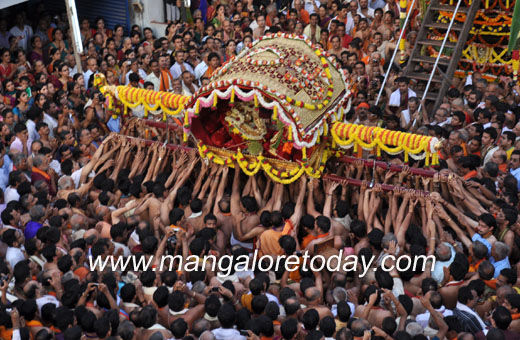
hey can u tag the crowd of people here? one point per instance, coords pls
(77, 185)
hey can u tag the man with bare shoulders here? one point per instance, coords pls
(371, 311)
(314, 297)
(358, 232)
(221, 208)
(387, 28)
(199, 208)
(245, 206)
(453, 280)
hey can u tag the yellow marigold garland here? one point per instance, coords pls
(132, 98)
(392, 142)
(252, 167)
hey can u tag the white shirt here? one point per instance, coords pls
(441, 124)
(76, 176)
(51, 122)
(31, 129)
(243, 273)
(186, 91)
(200, 69)
(18, 145)
(369, 16)
(86, 76)
(376, 4)
(73, 70)
(406, 115)
(135, 237)
(489, 155)
(56, 166)
(13, 256)
(424, 318)
(227, 334)
(272, 298)
(334, 309)
(176, 71)
(395, 97)
(11, 194)
(126, 250)
(45, 300)
(142, 74)
(25, 35)
(253, 25)
(438, 269)
(349, 23)
(309, 7)
(156, 81)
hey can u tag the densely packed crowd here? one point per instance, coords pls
(75, 188)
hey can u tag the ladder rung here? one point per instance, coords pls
(425, 77)
(437, 43)
(430, 60)
(429, 96)
(444, 26)
(448, 8)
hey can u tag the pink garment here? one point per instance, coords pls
(348, 251)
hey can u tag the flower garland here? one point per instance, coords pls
(507, 6)
(251, 165)
(392, 142)
(278, 60)
(480, 18)
(151, 100)
(461, 74)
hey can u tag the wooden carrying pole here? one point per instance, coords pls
(330, 177)
(369, 163)
(77, 46)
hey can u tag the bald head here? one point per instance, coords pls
(200, 327)
(359, 326)
(65, 183)
(101, 212)
(457, 103)
(466, 336)
(339, 294)
(29, 286)
(312, 294)
(443, 252)
(505, 290)
(77, 221)
(207, 335)
(91, 236)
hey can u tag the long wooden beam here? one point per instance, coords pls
(387, 166)
(345, 159)
(358, 183)
(330, 177)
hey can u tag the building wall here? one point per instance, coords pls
(152, 16)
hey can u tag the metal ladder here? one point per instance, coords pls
(442, 68)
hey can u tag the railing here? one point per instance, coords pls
(395, 51)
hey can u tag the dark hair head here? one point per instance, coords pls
(226, 316)
(311, 319)
(502, 318)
